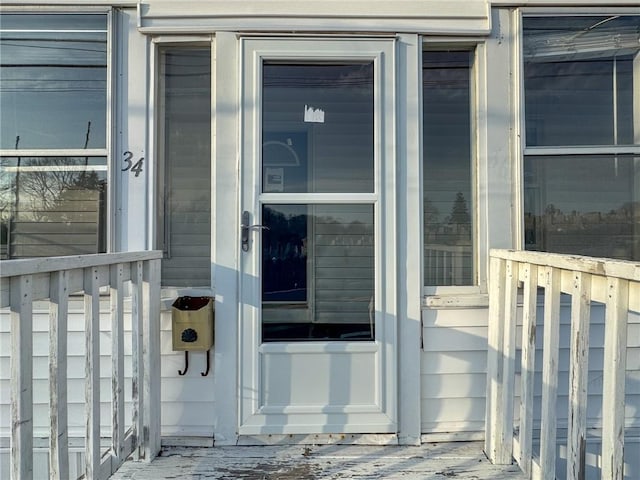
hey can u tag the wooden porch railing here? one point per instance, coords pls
(55, 279)
(614, 283)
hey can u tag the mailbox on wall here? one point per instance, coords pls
(192, 323)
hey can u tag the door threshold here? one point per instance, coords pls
(320, 439)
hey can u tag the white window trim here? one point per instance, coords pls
(168, 292)
(478, 132)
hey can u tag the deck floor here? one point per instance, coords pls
(464, 460)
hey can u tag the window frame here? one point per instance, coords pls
(525, 151)
(157, 225)
(478, 126)
(110, 107)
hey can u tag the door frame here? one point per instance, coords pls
(380, 415)
(226, 217)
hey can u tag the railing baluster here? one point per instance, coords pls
(551, 340)
(578, 376)
(58, 436)
(117, 362)
(528, 365)
(92, 372)
(509, 355)
(615, 362)
(21, 378)
(137, 364)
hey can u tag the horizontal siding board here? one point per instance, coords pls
(462, 385)
(445, 363)
(453, 410)
(455, 339)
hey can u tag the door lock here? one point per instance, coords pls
(245, 228)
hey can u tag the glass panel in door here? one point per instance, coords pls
(317, 127)
(317, 272)
(317, 259)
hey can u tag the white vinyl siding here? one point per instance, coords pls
(454, 370)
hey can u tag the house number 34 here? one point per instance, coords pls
(134, 166)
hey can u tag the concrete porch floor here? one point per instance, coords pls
(464, 460)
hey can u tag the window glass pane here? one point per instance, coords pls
(318, 273)
(52, 206)
(186, 188)
(448, 195)
(584, 205)
(578, 78)
(318, 127)
(53, 81)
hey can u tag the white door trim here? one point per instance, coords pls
(380, 415)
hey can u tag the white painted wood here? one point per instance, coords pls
(21, 379)
(578, 372)
(551, 338)
(613, 402)
(378, 413)
(410, 271)
(225, 235)
(58, 435)
(116, 295)
(509, 359)
(429, 16)
(527, 369)
(134, 223)
(494, 446)
(137, 361)
(92, 373)
(29, 266)
(50, 329)
(151, 357)
(597, 266)
(459, 301)
(495, 160)
(444, 460)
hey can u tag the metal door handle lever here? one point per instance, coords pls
(245, 228)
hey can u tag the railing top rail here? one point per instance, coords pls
(28, 266)
(607, 267)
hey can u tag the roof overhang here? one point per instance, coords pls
(448, 17)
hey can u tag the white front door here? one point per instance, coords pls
(318, 241)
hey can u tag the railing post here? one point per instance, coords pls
(578, 376)
(58, 436)
(495, 448)
(21, 378)
(550, 356)
(615, 364)
(151, 328)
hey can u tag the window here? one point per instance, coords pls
(53, 142)
(185, 180)
(582, 153)
(448, 195)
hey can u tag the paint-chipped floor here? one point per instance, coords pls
(463, 460)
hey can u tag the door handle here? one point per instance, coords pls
(245, 228)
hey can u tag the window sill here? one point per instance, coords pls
(474, 300)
